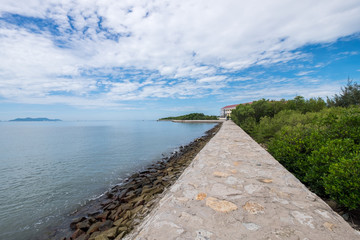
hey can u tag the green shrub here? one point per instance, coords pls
(346, 124)
(268, 127)
(343, 181)
(292, 145)
(320, 160)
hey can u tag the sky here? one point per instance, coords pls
(146, 59)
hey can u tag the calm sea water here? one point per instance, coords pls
(48, 169)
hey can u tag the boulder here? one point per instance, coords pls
(94, 235)
(76, 221)
(83, 225)
(94, 227)
(77, 233)
(101, 237)
(106, 225)
(111, 233)
(102, 216)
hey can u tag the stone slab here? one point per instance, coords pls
(234, 189)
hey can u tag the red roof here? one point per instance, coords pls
(234, 105)
(231, 106)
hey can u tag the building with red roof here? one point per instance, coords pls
(226, 111)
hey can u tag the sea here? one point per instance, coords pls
(50, 169)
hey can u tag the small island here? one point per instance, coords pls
(28, 119)
(191, 116)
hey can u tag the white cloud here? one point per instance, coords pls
(211, 79)
(304, 73)
(186, 43)
(287, 90)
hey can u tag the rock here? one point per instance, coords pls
(124, 207)
(127, 214)
(236, 163)
(106, 225)
(102, 216)
(220, 174)
(220, 205)
(83, 237)
(109, 195)
(129, 196)
(329, 226)
(111, 233)
(203, 234)
(94, 213)
(346, 216)
(120, 236)
(119, 222)
(146, 189)
(77, 233)
(111, 206)
(201, 196)
(156, 190)
(253, 207)
(303, 218)
(101, 237)
(92, 220)
(156, 182)
(251, 226)
(122, 193)
(138, 199)
(106, 202)
(122, 229)
(266, 180)
(114, 214)
(83, 225)
(137, 209)
(94, 227)
(76, 221)
(94, 235)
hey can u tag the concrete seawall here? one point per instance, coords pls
(198, 121)
(234, 189)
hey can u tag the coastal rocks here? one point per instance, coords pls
(77, 233)
(123, 206)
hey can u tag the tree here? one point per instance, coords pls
(350, 95)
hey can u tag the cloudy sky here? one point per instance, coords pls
(145, 59)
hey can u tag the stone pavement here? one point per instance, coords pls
(234, 189)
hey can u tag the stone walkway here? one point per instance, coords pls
(234, 189)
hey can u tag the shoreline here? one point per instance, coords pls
(123, 207)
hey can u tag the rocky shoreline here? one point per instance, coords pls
(124, 206)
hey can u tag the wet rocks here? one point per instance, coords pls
(123, 206)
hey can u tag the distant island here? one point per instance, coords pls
(191, 116)
(34, 120)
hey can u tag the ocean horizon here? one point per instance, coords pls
(50, 169)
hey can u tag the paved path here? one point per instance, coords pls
(234, 189)
(198, 121)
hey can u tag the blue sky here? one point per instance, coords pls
(115, 60)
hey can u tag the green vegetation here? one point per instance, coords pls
(350, 95)
(318, 142)
(34, 120)
(191, 116)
